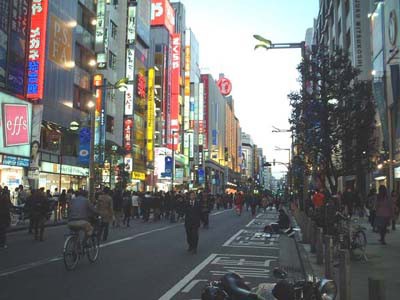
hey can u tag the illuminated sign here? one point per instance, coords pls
(130, 73)
(141, 86)
(128, 124)
(15, 124)
(37, 49)
(163, 14)
(175, 76)
(98, 83)
(150, 116)
(131, 31)
(60, 42)
(225, 86)
(100, 26)
(138, 175)
(187, 88)
(128, 161)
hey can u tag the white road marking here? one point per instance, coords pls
(185, 280)
(46, 261)
(232, 238)
(43, 262)
(192, 284)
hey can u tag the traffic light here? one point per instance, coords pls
(226, 154)
(267, 164)
(273, 162)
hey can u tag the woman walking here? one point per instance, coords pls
(384, 212)
(127, 207)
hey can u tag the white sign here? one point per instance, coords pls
(100, 26)
(130, 73)
(131, 32)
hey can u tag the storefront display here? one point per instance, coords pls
(71, 176)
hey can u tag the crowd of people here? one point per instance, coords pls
(118, 207)
(380, 208)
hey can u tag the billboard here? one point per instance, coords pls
(60, 42)
(163, 14)
(224, 86)
(37, 50)
(16, 121)
(17, 36)
(175, 76)
(150, 116)
(99, 132)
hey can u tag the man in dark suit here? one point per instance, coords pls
(192, 221)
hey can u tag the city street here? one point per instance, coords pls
(146, 261)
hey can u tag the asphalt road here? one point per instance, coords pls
(146, 261)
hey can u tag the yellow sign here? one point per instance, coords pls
(138, 175)
(60, 42)
(150, 116)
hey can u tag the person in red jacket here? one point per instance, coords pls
(239, 200)
(318, 199)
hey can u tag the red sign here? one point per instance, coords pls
(141, 86)
(175, 75)
(225, 86)
(163, 14)
(128, 124)
(37, 49)
(204, 79)
(15, 124)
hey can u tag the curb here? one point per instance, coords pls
(25, 227)
(306, 266)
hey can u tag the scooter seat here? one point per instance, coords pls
(236, 288)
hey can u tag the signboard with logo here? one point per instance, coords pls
(141, 85)
(225, 86)
(138, 175)
(60, 42)
(205, 81)
(37, 49)
(99, 132)
(128, 125)
(130, 70)
(16, 123)
(84, 146)
(163, 14)
(175, 77)
(100, 26)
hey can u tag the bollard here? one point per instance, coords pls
(328, 257)
(313, 237)
(376, 289)
(320, 247)
(344, 275)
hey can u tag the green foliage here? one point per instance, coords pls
(333, 117)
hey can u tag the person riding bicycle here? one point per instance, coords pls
(79, 212)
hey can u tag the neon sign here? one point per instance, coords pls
(37, 48)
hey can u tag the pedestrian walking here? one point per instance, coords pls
(192, 210)
(5, 218)
(127, 207)
(105, 210)
(117, 206)
(135, 205)
(384, 212)
(239, 200)
(205, 208)
(62, 205)
(39, 213)
(371, 205)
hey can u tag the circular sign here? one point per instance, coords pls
(392, 28)
(225, 86)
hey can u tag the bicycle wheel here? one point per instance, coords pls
(359, 244)
(92, 248)
(71, 253)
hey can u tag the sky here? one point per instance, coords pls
(261, 80)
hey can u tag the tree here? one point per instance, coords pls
(333, 118)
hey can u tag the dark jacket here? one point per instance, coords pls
(40, 205)
(5, 206)
(192, 213)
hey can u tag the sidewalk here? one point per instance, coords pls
(383, 263)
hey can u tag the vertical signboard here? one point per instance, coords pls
(163, 14)
(358, 34)
(60, 42)
(4, 25)
(201, 113)
(37, 49)
(98, 83)
(100, 26)
(150, 116)
(205, 81)
(143, 21)
(175, 75)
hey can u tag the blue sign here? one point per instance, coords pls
(84, 146)
(200, 173)
(10, 160)
(214, 137)
(168, 165)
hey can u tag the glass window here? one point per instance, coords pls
(112, 60)
(110, 124)
(114, 30)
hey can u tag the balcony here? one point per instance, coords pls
(84, 37)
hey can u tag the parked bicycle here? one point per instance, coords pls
(350, 235)
(76, 246)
